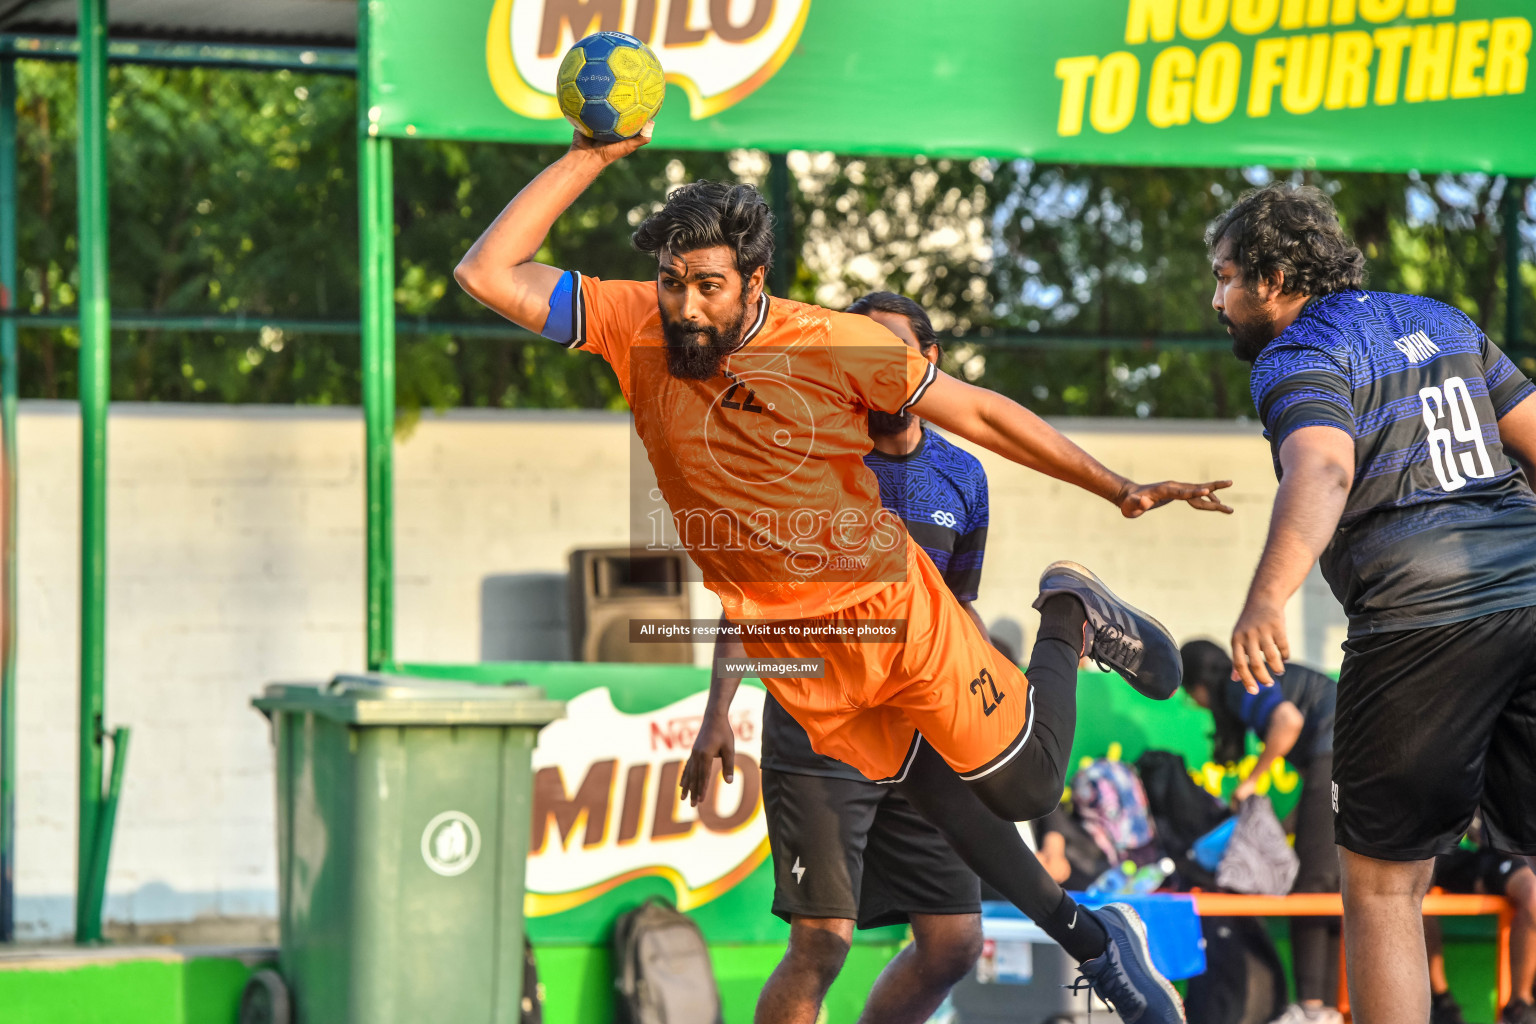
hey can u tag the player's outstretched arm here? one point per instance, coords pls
(1012, 431)
(1318, 469)
(716, 738)
(498, 271)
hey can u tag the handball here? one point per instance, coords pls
(609, 85)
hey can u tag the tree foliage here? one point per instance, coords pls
(233, 193)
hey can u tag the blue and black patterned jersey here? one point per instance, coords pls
(940, 492)
(1439, 525)
(1314, 695)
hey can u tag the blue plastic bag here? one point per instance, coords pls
(1207, 851)
(1173, 928)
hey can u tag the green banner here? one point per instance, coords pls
(1434, 85)
(586, 867)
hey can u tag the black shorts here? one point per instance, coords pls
(1476, 871)
(858, 850)
(1432, 724)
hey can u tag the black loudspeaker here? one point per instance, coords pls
(610, 586)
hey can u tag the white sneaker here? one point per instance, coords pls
(1298, 1014)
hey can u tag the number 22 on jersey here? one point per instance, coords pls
(1451, 403)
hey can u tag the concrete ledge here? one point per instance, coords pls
(69, 958)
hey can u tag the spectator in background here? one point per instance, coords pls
(1481, 870)
(1069, 854)
(1294, 719)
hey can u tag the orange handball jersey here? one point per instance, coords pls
(762, 465)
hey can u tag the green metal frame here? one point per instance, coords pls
(378, 327)
(142, 321)
(310, 59)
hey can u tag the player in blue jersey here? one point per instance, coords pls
(1396, 428)
(847, 850)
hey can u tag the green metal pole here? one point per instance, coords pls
(1514, 194)
(8, 497)
(378, 251)
(783, 268)
(376, 199)
(101, 853)
(95, 339)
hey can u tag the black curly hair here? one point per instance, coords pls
(1290, 229)
(1207, 666)
(890, 302)
(703, 214)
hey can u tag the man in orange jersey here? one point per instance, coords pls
(753, 412)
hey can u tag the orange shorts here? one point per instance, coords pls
(945, 681)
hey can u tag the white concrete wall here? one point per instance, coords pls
(236, 558)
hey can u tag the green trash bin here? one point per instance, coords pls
(403, 809)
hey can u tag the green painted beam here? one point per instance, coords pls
(311, 59)
(578, 982)
(165, 989)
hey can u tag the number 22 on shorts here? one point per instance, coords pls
(1452, 402)
(980, 685)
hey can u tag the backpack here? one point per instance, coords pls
(1243, 981)
(1182, 811)
(662, 973)
(1112, 806)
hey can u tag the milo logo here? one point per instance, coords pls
(717, 51)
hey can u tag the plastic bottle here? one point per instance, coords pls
(1114, 882)
(1150, 877)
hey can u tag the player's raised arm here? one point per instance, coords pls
(1012, 431)
(499, 270)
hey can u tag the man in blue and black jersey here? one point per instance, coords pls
(1399, 432)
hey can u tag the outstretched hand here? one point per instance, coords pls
(715, 740)
(1140, 498)
(611, 151)
(1259, 644)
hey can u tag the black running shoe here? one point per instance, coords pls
(1518, 1012)
(1118, 636)
(1443, 1009)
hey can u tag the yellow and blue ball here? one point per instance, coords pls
(609, 85)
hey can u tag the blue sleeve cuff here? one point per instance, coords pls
(1259, 708)
(560, 325)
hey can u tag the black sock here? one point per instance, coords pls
(1076, 929)
(1062, 618)
(993, 848)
